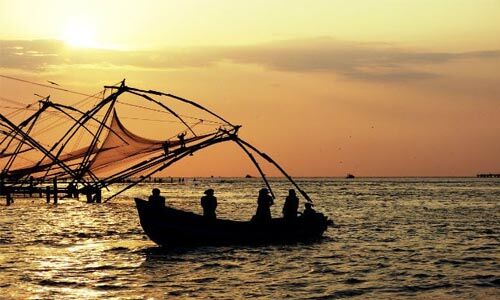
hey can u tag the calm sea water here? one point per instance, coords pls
(396, 238)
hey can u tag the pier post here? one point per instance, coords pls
(98, 196)
(30, 191)
(55, 190)
(47, 193)
(2, 184)
(8, 198)
(88, 194)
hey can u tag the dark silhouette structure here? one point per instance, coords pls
(209, 204)
(264, 203)
(291, 205)
(155, 199)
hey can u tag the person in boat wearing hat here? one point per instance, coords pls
(209, 204)
(291, 206)
(309, 212)
(156, 199)
(264, 203)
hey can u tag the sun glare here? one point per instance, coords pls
(80, 33)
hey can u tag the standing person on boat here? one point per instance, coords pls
(209, 204)
(181, 136)
(264, 203)
(155, 199)
(291, 205)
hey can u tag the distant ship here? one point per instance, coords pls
(350, 176)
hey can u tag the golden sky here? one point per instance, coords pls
(374, 88)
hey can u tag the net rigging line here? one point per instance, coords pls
(13, 102)
(17, 110)
(59, 115)
(47, 86)
(162, 111)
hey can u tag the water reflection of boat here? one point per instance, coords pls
(172, 227)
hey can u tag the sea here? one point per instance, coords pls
(394, 238)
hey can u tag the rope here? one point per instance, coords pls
(47, 86)
(162, 111)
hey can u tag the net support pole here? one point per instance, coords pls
(269, 159)
(252, 158)
(187, 151)
(165, 107)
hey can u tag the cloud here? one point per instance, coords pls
(366, 61)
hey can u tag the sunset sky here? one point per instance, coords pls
(373, 88)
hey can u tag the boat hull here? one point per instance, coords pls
(169, 227)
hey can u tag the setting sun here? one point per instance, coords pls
(80, 33)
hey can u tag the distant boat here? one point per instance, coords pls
(172, 227)
(248, 176)
(350, 176)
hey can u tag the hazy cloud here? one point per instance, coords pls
(368, 61)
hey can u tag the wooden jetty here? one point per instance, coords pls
(50, 192)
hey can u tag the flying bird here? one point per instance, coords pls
(52, 82)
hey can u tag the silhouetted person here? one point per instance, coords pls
(72, 190)
(98, 196)
(209, 204)
(264, 203)
(166, 146)
(181, 136)
(155, 199)
(291, 205)
(309, 212)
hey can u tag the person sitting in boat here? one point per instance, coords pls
(264, 203)
(309, 212)
(209, 204)
(155, 199)
(291, 206)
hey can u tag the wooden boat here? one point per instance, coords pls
(169, 227)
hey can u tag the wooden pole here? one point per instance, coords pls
(269, 159)
(2, 184)
(88, 194)
(98, 196)
(31, 187)
(55, 190)
(8, 198)
(47, 193)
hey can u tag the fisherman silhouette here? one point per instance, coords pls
(155, 199)
(181, 137)
(166, 144)
(209, 204)
(291, 205)
(72, 190)
(264, 203)
(309, 212)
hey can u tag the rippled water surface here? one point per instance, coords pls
(396, 238)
